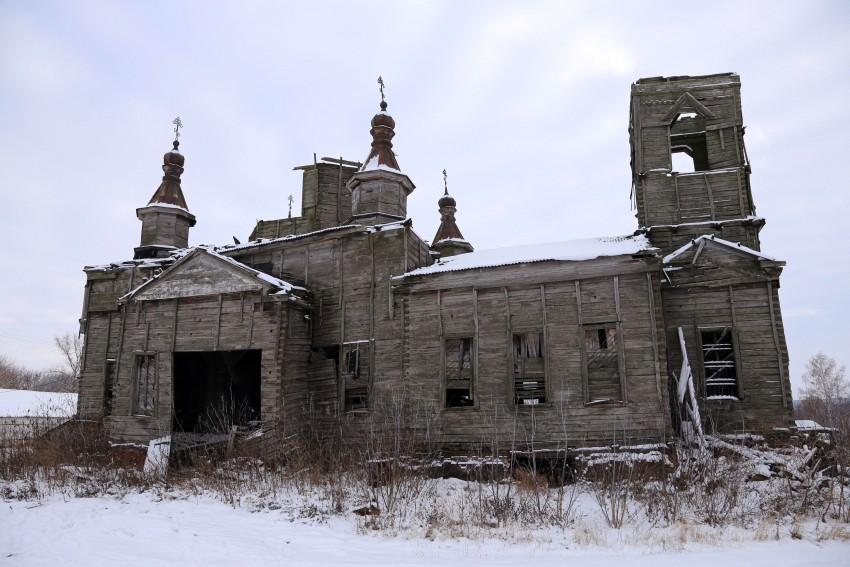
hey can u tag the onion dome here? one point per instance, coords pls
(173, 156)
(169, 191)
(449, 241)
(381, 155)
(446, 200)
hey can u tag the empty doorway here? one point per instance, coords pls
(215, 390)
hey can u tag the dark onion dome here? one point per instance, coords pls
(174, 157)
(169, 191)
(382, 118)
(381, 154)
(447, 201)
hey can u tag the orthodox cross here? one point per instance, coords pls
(290, 206)
(177, 125)
(381, 82)
(446, 181)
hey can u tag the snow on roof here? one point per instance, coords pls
(167, 205)
(460, 240)
(264, 241)
(285, 287)
(750, 218)
(143, 263)
(395, 225)
(373, 164)
(811, 425)
(734, 245)
(572, 250)
(25, 403)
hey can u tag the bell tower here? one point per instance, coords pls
(690, 171)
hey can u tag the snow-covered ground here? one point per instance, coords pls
(25, 403)
(175, 528)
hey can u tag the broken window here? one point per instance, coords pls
(718, 356)
(108, 386)
(458, 371)
(354, 375)
(144, 402)
(689, 152)
(602, 364)
(529, 369)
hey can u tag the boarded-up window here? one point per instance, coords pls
(602, 358)
(529, 369)
(144, 402)
(354, 375)
(108, 386)
(458, 369)
(718, 356)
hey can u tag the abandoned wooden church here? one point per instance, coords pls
(346, 310)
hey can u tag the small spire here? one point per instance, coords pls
(290, 206)
(449, 241)
(169, 191)
(383, 131)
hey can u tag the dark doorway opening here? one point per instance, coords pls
(214, 391)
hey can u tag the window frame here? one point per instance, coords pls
(445, 378)
(362, 376)
(618, 352)
(690, 140)
(528, 374)
(143, 360)
(110, 368)
(736, 363)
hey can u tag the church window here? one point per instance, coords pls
(458, 372)
(108, 386)
(602, 364)
(529, 369)
(144, 399)
(719, 363)
(354, 375)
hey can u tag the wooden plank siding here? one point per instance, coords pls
(565, 419)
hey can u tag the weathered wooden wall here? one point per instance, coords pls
(728, 289)
(556, 299)
(205, 323)
(349, 275)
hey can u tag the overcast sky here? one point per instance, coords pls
(524, 103)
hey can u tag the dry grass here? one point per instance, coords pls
(706, 496)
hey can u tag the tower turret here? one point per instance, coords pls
(379, 190)
(449, 241)
(166, 219)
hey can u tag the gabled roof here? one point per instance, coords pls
(700, 242)
(572, 250)
(203, 271)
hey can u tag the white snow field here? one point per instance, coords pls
(175, 528)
